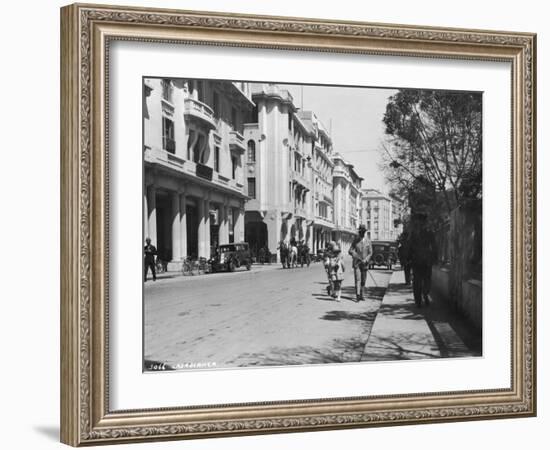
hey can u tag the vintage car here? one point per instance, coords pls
(231, 256)
(384, 253)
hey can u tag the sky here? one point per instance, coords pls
(355, 116)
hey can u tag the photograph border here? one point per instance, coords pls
(86, 33)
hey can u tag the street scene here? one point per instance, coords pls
(301, 224)
(271, 317)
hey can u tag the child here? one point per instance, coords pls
(326, 260)
(336, 271)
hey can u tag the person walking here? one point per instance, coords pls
(267, 254)
(361, 252)
(261, 255)
(404, 255)
(149, 259)
(423, 254)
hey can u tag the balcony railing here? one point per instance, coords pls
(188, 168)
(300, 212)
(194, 109)
(204, 171)
(300, 179)
(324, 221)
(236, 142)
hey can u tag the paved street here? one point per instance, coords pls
(268, 316)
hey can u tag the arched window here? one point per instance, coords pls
(251, 151)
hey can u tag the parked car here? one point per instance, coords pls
(231, 256)
(384, 253)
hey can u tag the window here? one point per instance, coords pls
(168, 142)
(190, 142)
(252, 187)
(234, 118)
(199, 154)
(167, 90)
(231, 225)
(217, 159)
(234, 167)
(200, 91)
(217, 105)
(254, 115)
(251, 151)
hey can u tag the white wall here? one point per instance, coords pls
(30, 225)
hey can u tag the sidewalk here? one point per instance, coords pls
(256, 268)
(403, 331)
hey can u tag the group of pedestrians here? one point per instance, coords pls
(361, 252)
(294, 253)
(417, 254)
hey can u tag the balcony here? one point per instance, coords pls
(236, 142)
(324, 222)
(298, 178)
(300, 212)
(191, 171)
(203, 171)
(340, 172)
(200, 112)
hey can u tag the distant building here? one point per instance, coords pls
(194, 179)
(347, 196)
(398, 212)
(376, 211)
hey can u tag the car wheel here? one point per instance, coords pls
(248, 265)
(231, 266)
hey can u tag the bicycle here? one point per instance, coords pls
(187, 267)
(160, 266)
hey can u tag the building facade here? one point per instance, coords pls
(289, 173)
(322, 168)
(229, 162)
(194, 175)
(382, 215)
(347, 198)
(278, 171)
(398, 213)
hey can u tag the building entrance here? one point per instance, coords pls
(255, 233)
(192, 223)
(164, 227)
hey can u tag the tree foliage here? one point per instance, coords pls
(435, 136)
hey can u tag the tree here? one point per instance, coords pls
(435, 136)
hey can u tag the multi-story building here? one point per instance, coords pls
(194, 179)
(398, 213)
(321, 183)
(347, 195)
(289, 173)
(378, 216)
(278, 171)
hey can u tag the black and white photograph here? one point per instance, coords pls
(293, 224)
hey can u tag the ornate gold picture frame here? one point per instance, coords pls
(87, 31)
